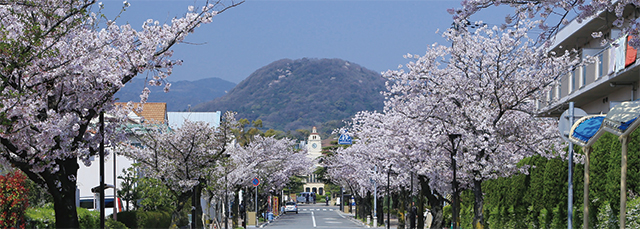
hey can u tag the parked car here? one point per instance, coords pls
(291, 207)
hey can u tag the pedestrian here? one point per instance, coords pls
(413, 212)
(326, 198)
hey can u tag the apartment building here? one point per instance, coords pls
(598, 86)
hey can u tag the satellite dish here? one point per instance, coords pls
(563, 124)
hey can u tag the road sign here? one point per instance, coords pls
(255, 182)
(564, 126)
(344, 139)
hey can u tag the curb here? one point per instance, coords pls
(350, 217)
(268, 222)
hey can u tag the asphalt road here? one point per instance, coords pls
(314, 216)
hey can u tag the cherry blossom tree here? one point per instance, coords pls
(183, 158)
(554, 14)
(61, 66)
(271, 160)
(484, 87)
(408, 146)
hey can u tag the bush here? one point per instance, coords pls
(112, 224)
(43, 217)
(88, 219)
(145, 219)
(129, 218)
(13, 199)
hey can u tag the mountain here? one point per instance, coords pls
(180, 96)
(298, 94)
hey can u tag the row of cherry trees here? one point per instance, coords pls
(61, 64)
(198, 159)
(467, 107)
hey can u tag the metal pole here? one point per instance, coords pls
(193, 208)
(256, 206)
(341, 199)
(623, 182)
(570, 178)
(375, 198)
(115, 190)
(585, 214)
(102, 170)
(389, 198)
(412, 215)
(454, 184)
(226, 201)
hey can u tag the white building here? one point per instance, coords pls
(599, 86)
(314, 151)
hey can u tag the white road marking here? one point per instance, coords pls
(314, 219)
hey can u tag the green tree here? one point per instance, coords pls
(129, 190)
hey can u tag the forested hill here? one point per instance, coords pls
(298, 94)
(181, 94)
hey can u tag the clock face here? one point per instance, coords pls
(314, 145)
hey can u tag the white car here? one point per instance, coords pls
(291, 207)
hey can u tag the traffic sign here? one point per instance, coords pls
(255, 182)
(564, 126)
(344, 139)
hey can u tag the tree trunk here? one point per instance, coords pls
(478, 218)
(436, 202)
(401, 210)
(420, 206)
(63, 191)
(235, 209)
(198, 200)
(380, 210)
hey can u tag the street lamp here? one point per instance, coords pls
(389, 197)
(454, 184)
(226, 197)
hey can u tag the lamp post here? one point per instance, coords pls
(226, 196)
(389, 197)
(454, 184)
(102, 222)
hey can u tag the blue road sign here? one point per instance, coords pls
(255, 181)
(344, 139)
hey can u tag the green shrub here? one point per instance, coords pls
(145, 219)
(88, 219)
(154, 219)
(43, 217)
(129, 218)
(112, 224)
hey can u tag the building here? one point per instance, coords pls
(176, 119)
(89, 176)
(599, 86)
(314, 151)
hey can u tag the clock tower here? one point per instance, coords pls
(314, 150)
(314, 145)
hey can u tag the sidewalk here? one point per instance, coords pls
(351, 217)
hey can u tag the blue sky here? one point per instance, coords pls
(373, 34)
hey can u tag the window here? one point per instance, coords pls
(559, 88)
(573, 80)
(600, 66)
(583, 78)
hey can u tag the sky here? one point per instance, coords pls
(374, 34)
